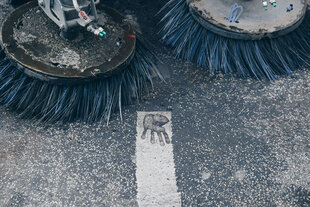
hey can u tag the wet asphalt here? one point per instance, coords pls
(237, 142)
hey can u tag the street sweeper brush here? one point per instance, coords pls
(82, 74)
(248, 37)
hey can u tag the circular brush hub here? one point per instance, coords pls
(255, 22)
(33, 43)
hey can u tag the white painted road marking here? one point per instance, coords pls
(155, 172)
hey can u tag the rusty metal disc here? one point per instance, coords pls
(254, 23)
(44, 55)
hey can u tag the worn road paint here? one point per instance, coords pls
(156, 179)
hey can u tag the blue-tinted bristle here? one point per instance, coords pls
(91, 101)
(266, 58)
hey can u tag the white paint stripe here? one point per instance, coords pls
(155, 172)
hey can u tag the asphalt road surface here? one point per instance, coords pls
(235, 142)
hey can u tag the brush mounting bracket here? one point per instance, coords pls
(255, 22)
(68, 14)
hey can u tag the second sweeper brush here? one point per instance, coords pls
(262, 39)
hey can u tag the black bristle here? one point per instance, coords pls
(89, 102)
(265, 58)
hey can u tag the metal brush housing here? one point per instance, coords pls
(254, 23)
